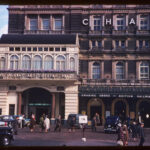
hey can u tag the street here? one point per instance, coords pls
(64, 138)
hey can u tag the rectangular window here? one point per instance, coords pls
(120, 23)
(17, 48)
(34, 48)
(122, 44)
(23, 48)
(147, 44)
(33, 24)
(39, 48)
(51, 49)
(117, 43)
(99, 44)
(57, 23)
(11, 48)
(45, 24)
(29, 49)
(57, 49)
(97, 23)
(11, 109)
(63, 49)
(143, 22)
(0, 111)
(45, 48)
(140, 43)
(93, 43)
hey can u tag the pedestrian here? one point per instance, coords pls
(94, 124)
(120, 138)
(42, 118)
(125, 135)
(73, 122)
(32, 123)
(142, 136)
(134, 130)
(46, 123)
(97, 119)
(58, 124)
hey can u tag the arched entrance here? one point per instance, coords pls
(96, 106)
(120, 108)
(37, 101)
(144, 110)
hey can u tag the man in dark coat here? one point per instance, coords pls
(141, 133)
(58, 124)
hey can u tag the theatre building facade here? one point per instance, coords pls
(100, 62)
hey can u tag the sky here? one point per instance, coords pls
(3, 19)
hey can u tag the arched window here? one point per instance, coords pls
(120, 71)
(14, 62)
(144, 70)
(2, 63)
(48, 63)
(26, 63)
(72, 64)
(37, 63)
(60, 63)
(96, 71)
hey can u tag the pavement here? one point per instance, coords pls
(64, 138)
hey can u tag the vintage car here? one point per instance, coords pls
(111, 124)
(6, 136)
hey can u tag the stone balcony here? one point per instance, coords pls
(66, 75)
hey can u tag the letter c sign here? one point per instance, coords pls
(85, 22)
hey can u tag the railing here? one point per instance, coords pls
(37, 75)
(113, 82)
(44, 31)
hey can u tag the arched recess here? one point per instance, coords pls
(113, 106)
(97, 102)
(138, 104)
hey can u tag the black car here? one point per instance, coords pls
(6, 136)
(111, 125)
(76, 116)
(10, 121)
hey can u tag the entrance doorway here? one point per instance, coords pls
(94, 110)
(37, 101)
(120, 110)
(144, 109)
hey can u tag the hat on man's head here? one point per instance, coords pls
(119, 124)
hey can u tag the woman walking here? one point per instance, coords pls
(126, 135)
(46, 123)
(32, 123)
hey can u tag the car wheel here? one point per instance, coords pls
(6, 141)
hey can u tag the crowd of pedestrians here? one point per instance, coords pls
(137, 132)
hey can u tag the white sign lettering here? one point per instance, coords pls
(132, 21)
(83, 119)
(108, 21)
(85, 22)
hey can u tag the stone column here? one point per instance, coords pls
(113, 70)
(19, 102)
(126, 70)
(71, 100)
(137, 70)
(102, 69)
(53, 106)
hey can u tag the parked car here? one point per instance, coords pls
(20, 118)
(6, 136)
(77, 124)
(111, 125)
(9, 121)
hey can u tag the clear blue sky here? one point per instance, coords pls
(3, 19)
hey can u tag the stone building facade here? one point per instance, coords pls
(114, 53)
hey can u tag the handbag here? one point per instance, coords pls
(120, 143)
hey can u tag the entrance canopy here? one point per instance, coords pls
(121, 92)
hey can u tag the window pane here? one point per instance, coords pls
(58, 24)
(37, 64)
(26, 63)
(46, 24)
(33, 24)
(48, 63)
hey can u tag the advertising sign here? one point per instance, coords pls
(83, 119)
